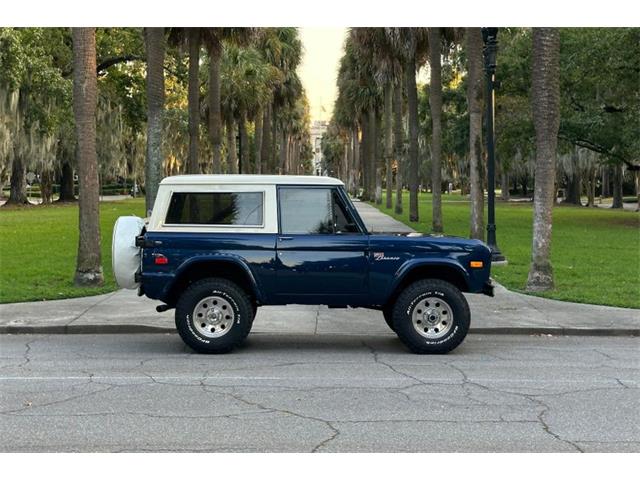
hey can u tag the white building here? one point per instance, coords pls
(318, 129)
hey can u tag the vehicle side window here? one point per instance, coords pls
(306, 210)
(344, 222)
(216, 208)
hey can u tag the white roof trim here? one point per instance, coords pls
(250, 180)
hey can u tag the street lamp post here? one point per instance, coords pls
(490, 40)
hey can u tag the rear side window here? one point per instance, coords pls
(306, 210)
(216, 208)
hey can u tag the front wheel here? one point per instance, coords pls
(431, 316)
(214, 315)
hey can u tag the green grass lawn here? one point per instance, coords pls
(38, 247)
(595, 252)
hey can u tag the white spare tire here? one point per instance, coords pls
(125, 256)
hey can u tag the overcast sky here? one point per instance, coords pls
(319, 68)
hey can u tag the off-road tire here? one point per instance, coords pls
(387, 312)
(411, 297)
(239, 302)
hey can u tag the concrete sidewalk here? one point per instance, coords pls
(506, 313)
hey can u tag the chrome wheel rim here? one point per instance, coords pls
(432, 318)
(213, 317)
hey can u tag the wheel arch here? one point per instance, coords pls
(219, 266)
(450, 272)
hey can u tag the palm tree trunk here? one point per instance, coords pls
(244, 144)
(193, 40)
(273, 154)
(265, 153)
(154, 41)
(283, 152)
(388, 141)
(85, 89)
(412, 104)
(398, 143)
(355, 173)
(435, 102)
(366, 153)
(545, 89)
(617, 186)
(374, 162)
(474, 99)
(215, 117)
(257, 142)
(232, 159)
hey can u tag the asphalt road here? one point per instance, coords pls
(306, 393)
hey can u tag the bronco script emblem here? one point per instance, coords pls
(377, 256)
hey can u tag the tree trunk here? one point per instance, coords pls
(398, 142)
(366, 153)
(349, 173)
(591, 188)
(244, 145)
(435, 102)
(355, 187)
(388, 141)
(66, 183)
(18, 181)
(504, 185)
(474, 100)
(154, 41)
(232, 158)
(193, 40)
(215, 117)
(574, 182)
(375, 166)
(606, 190)
(412, 104)
(617, 186)
(282, 169)
(274, 141)
(85, 89)
(46, 186)
(545, 90)
(257, 142)
(265, 148)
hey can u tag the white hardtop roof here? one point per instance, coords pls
(250, 180)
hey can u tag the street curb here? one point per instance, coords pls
(133, 329)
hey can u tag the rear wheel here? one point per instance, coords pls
(214, 315)
(431, 316)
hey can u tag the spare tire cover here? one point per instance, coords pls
(125, 256)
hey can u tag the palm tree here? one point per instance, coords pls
(247, 85)
(155, 45)
(377, 45)
(411, 43)
(474, 100)
(88, 268)
(545, 92)
(214, 38)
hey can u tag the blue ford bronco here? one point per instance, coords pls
(216, 247)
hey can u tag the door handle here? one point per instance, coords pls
(282, 239)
